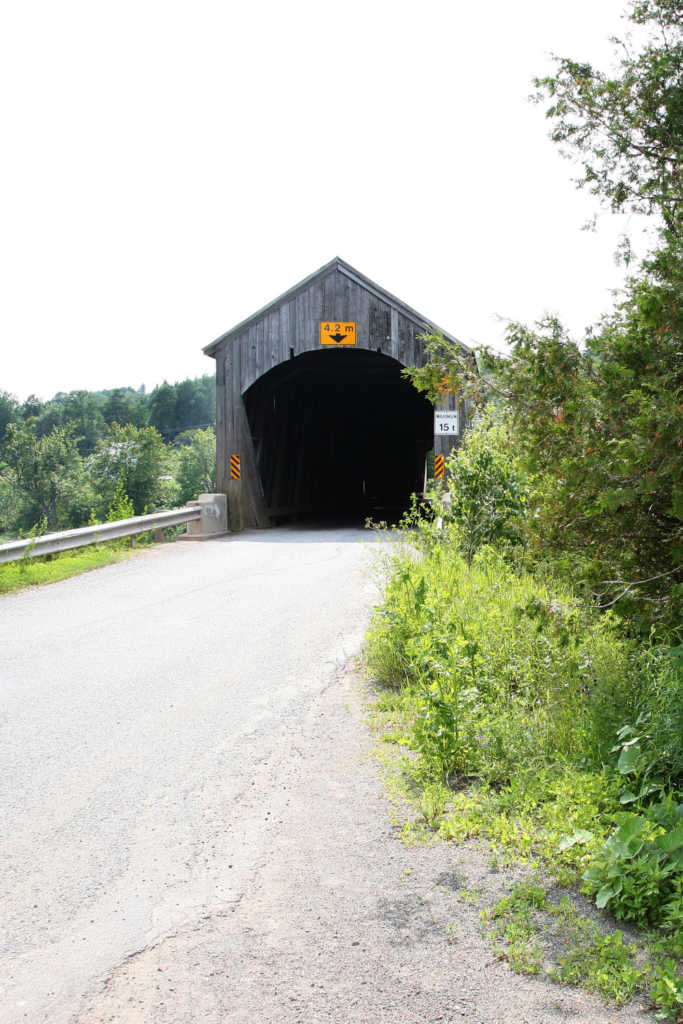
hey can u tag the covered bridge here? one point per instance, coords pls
(313, 415)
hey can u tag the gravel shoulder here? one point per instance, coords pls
(338, 920)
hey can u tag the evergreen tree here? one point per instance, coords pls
(163, 407)
(9, 411)
(116, 408)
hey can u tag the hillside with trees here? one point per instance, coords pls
(62, 461)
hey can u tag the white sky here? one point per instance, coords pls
(170, 167)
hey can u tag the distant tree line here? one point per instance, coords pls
(83, 456)
(171, 408)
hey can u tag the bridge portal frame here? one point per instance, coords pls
(285, 328)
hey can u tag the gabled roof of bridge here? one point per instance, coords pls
(354, 275)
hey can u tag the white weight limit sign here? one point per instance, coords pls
(447, 422)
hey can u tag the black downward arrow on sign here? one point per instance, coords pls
(337, 337)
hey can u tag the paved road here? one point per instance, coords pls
(136, 703)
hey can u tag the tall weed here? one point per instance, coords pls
(502, 670)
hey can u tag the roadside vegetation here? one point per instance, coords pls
(523, 715)
(528, 648)
(87, 458)
(31, 572)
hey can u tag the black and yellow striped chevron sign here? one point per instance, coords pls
(235, 467)
(439, 468)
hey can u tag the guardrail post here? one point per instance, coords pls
(159, 535)
(214, 518)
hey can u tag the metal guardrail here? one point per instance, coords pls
(50, 543)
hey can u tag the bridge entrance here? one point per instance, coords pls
(312, 415)
(339, 433)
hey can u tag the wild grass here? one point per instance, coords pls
(525, 929)
(31, 572)
(499, 671)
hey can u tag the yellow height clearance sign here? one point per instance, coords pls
(337, 333)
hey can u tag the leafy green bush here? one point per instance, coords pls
(667, 992)
(487, 490)
(121, 506)
(634, 874)
(196, 472)
(639, 872)
(138, 458)
(46, 474)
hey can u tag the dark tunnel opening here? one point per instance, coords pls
(339, 433)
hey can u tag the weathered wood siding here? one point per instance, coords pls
(293, 327)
